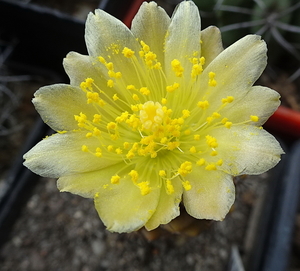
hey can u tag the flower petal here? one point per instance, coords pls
(183, 37)
(61, 154)
(246, 149)
(241, 110)
(89, 183)
(57, 105)
(236, 69)
(122, 208)
(106, 37)
(79, 67)
(150, 25)
(211, 196)
(167, 208)
(104, 30)
(211, 44)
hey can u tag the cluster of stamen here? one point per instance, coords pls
(133, 125)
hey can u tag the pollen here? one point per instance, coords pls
(187, 132)
(131, 87)
(214, 153)
(115, 179)
(87, 84)
(98, 152)
(229, 99)
(110, 148)
(115, 97)
(212, 82)
(111, 125)
(127, 52)
(186, 185)
(109, 66)
(193, 149)
(201, 162)
(224, 120)
(202, 60)
(220, 162)
(162, 173)
(92, 97)
(254, 118)
(88, 135)
(145, 47)
(84, 148)
(157, 66)
(126, 145)
(211, 167)
(197, 137)
(110, 83)
(96, 131)
(203, 104)
(101, 59)
(228, 124)
(119, 151)
(185, 168)
(173, 87)
(96, 118)
(134, 108)
(211, 141)
(185, 113)
(81, 119)
(144, 187)
(145, 91)
(172, 145)
(134, 175)
(196, 70)
(150, 56)
(169, 187)
(135, 97)
(130, 155)
(177, 68)
(216, 115)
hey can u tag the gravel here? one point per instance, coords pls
(61, 231)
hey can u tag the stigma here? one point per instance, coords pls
(151, 116)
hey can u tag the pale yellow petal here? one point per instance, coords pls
(167, 208)
(246, 149)
(183, 37)
(61, 154)
(57, 105)
(80, 67)
(150, 25)
(106, 37)
(103, 30)
(236, 69)
(123, 208)
(89, 183)
(211, 44)
(259, 101)
(211, 195)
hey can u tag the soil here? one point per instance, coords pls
(61, 231)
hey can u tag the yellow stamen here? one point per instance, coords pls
(115, 179)
(254, 118)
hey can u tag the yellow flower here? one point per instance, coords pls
(157, 115)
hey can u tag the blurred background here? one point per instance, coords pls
(42, 229)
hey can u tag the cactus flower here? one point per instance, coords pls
(156, 115)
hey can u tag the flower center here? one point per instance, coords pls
(151, 116)
(130, 125)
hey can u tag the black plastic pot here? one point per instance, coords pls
(41, 38)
